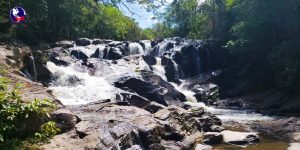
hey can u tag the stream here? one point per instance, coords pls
(76, 85)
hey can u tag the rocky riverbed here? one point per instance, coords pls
(144, 95)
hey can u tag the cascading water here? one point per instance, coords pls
(85, 89)
(76, 84)
(33, 68)
(159, 69)
(227, 115)
(135, 48)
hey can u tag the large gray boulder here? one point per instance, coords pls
(212, 138)
(83, 42)
(240, 138)
(64, 118)
(203, 147)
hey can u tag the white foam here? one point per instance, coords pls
(91, 89)
(159, 69)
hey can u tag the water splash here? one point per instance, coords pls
(159, 69)
(89, 89)
(135, 48)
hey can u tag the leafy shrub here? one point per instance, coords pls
(21, 120)
(47, 130)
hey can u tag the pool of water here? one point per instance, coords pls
(241, 120)
(266, 143)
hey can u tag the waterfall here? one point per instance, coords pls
(188, 93)
(73, 86)
(135, 48)
(159, 69)
(34, 68)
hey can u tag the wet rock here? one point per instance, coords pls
(208, 121)
(79, 54)
(83, 42)
(63, 44)
(206, 93)
(58, 61)
(189, 61)
(152, 89)
(145, 89)
(36, 70)
(203, 147)
(205, 58)
(179, 119)
(135, 100)
(190, 141)
(135, 147)
(196, 111)
(149, 60)
(99, 53)
(216, 128)
(171, 145)
(212, 138)
(282, 126)
(64, 118)
(156, 146)
(97, 41)
(114, 53)
(153, 107)
(240, 138)
(172, 73)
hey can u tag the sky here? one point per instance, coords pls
(141, 16)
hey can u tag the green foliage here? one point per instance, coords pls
(162, 30)
(22, 119)
(256, 34)
(47, 130)
(52, 20)
(148, 33)
(284, 59)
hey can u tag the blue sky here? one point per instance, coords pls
(141, 16)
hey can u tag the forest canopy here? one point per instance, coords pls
(52, 20)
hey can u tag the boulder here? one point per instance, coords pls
(208, 121)
(79, 54)
(97, 41)
(150, 60)
(114, 53)
(135, 100)
(189, 61)
(153, 107)
(151, 87)
(64, 118)
(282, 126)
(63, 44)
(171, 69)
(216, 128)
(203, 147)
(240, 138)
(204, 54)
(83, 42)
(212, 138)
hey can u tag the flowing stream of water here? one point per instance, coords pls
(74, 86)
